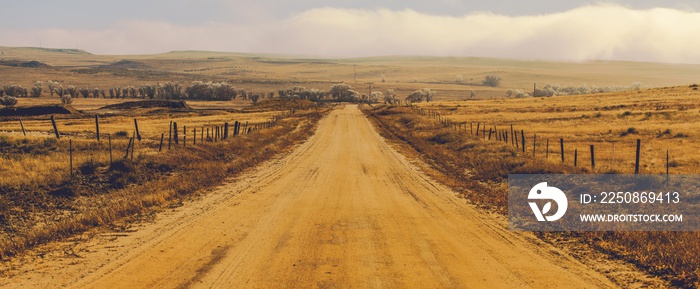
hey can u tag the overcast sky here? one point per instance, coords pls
(643, 30)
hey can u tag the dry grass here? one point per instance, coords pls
(42, 156)
(663, 118)
(42, 203)
(479, 168)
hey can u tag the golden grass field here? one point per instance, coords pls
(665, 119)
(663, 113)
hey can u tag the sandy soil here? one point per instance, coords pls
(343, 210)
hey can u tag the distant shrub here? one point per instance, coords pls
(15, 90)
(36, 89)
(66, 99)
(8, 101)
(52, 87)
(517, 94)
(492, 80)
(343, 92)
(629, 131)
(552, 90)
(121, 133)
(422, 94)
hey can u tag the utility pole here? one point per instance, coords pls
(534, 90)
(354, 72)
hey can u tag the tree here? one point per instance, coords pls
(426, 94)
(66, 99)
(254, 97)
(95, 92)
(492, 80)
(15, 90)
(84, 92)
(36, 89)
(416, 96)
(390, 97)
(429, 94)
(343, 92)
(169, 90)
(148, 90)
(72, 91)
(8, 101)
(52, 87)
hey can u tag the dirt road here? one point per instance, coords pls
(343, 210)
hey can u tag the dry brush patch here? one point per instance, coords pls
(478, 169)
(49, 204)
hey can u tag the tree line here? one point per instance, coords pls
(212, 91)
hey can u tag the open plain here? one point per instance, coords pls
(315, 195)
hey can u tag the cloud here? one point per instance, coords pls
(603, 31)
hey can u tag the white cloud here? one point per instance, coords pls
(602, 31)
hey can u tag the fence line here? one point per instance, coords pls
(517, 139)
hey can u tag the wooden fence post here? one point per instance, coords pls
(561, 143)
(534, 145)
(636, 163)
(517, 143)
(547, 148)
(70, 153)
(522, 135)
(109, 140)
(667, 166)
(490, 132)
(131, 140)
(133, 147)
(592, 158)
(194, 135)
(513, 136)
(226, 130)
(97, 128)
(160, 148)
(55, 128)
(575, 157)
(175, 134)
(184, 136)
(136, 127)
(21, 124)
(478, 127)
(170, 134)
